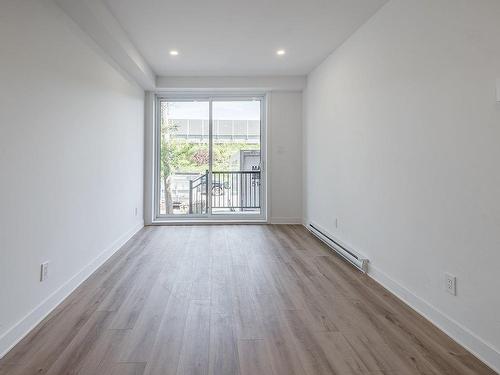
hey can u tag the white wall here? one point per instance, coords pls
(284, 149)
(285, 156)
(284, 136)
(71, 160)
(402, 134)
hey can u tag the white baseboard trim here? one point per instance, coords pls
(478, 347)
(286, 220)
(17, 332)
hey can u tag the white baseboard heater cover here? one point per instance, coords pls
(348, 254)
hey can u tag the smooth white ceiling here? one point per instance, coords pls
(238, 37)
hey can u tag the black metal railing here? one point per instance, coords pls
(236, 190)
(233, 190)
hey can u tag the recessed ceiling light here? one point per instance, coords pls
(174, 52)
(280, 52)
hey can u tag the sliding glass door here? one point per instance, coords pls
(210, 158)
(236, 161)
(183, 157)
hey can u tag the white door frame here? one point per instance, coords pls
(210, 97)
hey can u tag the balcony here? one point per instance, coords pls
(230, 191)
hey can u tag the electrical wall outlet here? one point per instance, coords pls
(135, 211)
(451, 284)
(44, 271)
(498, 90)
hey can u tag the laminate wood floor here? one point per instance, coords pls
(235, 299)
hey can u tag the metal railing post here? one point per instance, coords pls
(190, 196)
(206, 187)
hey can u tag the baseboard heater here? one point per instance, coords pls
(350, 255)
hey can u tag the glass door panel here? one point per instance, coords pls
(183, 157)
(236, 157)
